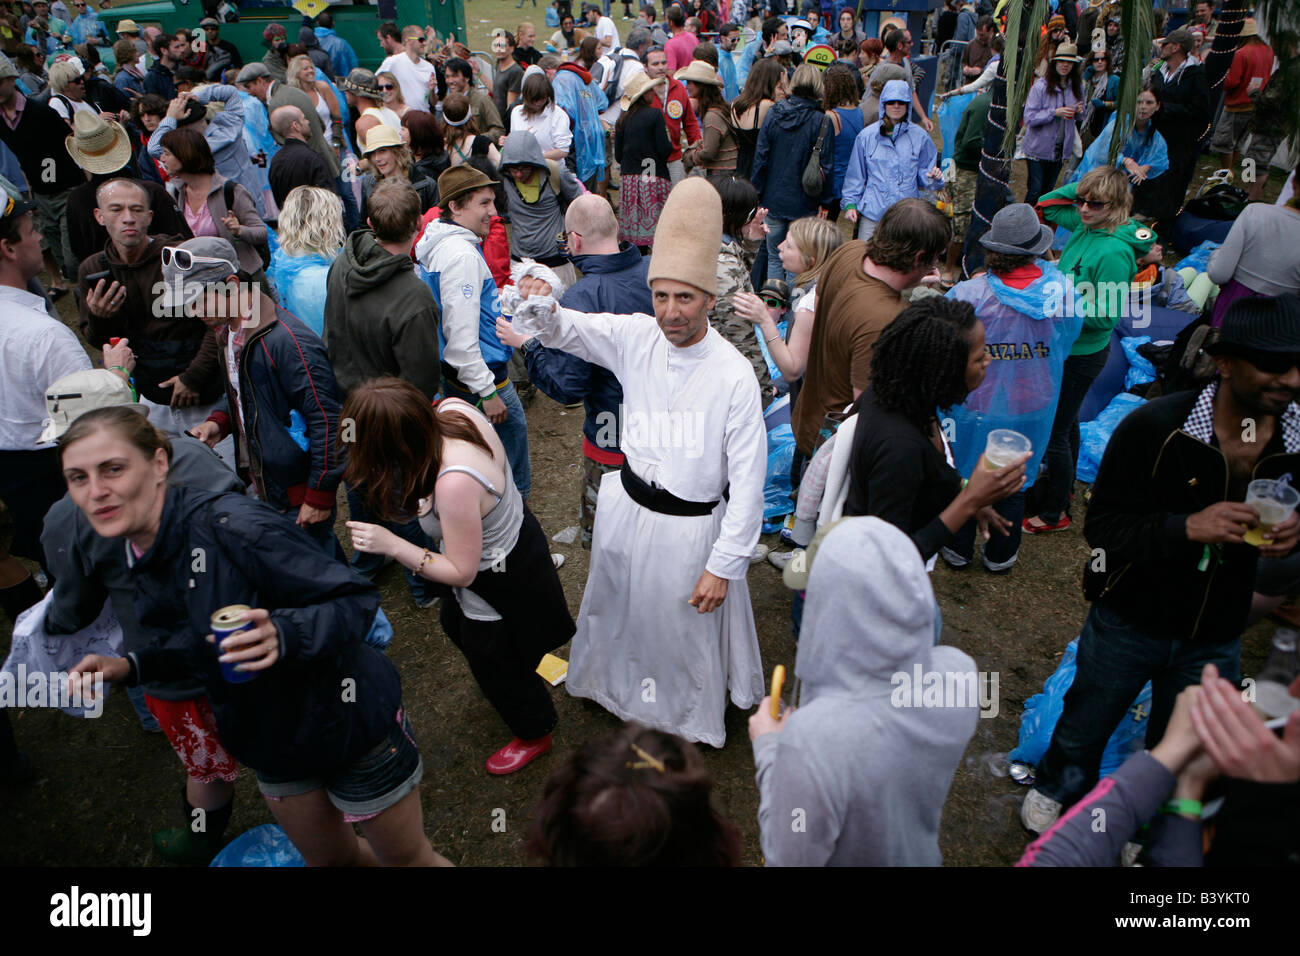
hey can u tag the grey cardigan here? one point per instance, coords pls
(250, 260)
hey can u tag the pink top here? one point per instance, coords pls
(679, 49)
(200, 222)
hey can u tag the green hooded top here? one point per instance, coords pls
(1101, 264)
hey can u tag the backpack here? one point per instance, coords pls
(263, 249)
(1221, 202)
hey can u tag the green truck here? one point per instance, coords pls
(354, 22)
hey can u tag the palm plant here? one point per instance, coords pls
(1025, 19)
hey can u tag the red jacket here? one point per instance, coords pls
(1250, 61)
(677, 110)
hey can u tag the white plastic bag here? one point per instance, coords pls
(51, 656)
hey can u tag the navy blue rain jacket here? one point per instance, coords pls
(283, 367)
(785, 144)
(330, 697)
(615, 284)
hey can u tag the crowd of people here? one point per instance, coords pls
(308, 279)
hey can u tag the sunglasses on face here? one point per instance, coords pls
(183, 260)
(772, 302)
(1096, 205)
(1271, 363)
(387, 86)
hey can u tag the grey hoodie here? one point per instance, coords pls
(535, 226)
(859, 775)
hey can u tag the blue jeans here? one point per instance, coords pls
(351, 214)
(1042, 178)
(366, 564)
(1062, 453)
(1000, 550)
(513, 433)
(776, 230)
(1114, 660)
(147, 720)
(322, 532)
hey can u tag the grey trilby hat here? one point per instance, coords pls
(1016, 231)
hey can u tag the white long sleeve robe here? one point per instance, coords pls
(693, 425)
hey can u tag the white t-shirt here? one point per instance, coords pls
(35, 352)
(232, 369)
(413, 78)
(61, 108)
(807, 301)
(551, 127)
(606, 32)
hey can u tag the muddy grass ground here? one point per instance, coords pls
(103, 786)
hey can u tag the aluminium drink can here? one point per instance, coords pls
(225, 622)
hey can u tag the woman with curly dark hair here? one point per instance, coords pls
(635, 797)
(901, 468)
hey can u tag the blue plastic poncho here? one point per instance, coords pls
(583, 102)
(949, 116)
(300, 282)
(257, 135)
(1029, 338)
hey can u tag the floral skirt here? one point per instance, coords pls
(640, 202)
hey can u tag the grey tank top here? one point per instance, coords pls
(500, 525)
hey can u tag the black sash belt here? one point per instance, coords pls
(660, 500)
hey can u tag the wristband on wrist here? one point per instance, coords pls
(1182, 807)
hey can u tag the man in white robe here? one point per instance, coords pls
(666, 625)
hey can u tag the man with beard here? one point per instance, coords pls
(1170, 576)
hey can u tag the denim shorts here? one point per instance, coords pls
(381, 778)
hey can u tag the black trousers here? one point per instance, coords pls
(30, 483)
(503, 655)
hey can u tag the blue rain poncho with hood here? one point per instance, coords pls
(862, 769)
(583, 101)
(885, 168)
(1028, 333)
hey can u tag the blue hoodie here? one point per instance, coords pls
(885, 168)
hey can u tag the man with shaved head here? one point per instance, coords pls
(176, 371)
(296, 163)
(613, 281)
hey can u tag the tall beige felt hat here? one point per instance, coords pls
(699, 72)
(688, 236)
(97, 145)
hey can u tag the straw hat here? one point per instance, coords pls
(699, 72)
(96, 145)
(1250, 28)
(382, 136)
(1067, 51)
(127, 26)
(688, 236)
(635, 89)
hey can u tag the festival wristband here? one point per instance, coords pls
(1183, 807)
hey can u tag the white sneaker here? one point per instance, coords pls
(760, 552)
(779, 559)
(557, 560)
(1039, 811)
